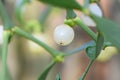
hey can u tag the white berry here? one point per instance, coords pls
(63, 34)
(95, 9)
(1, 34)
(87, 20)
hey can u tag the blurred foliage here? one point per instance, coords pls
(36, 26)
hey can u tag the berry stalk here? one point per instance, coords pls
(86, 29)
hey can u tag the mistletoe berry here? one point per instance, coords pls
(95, 9)
(87, 20)
(63, 34)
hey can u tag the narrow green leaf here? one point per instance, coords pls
(46, 71)
(110, 30)
(58, 77)
(69, 4)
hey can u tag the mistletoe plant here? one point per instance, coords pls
(64, 33)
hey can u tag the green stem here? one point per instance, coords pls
(20, 32)
(86, 70)
(46, 71)
(85, 28)
(5, 19)
(80, 48)
(6, 36)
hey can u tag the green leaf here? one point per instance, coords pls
(69, 4)
(110, 30)
(46, 71)
(58, 77)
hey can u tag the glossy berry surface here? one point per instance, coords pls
(95, 9)
(87, 20)
(63, 34)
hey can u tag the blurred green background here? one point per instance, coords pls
(26, 60)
